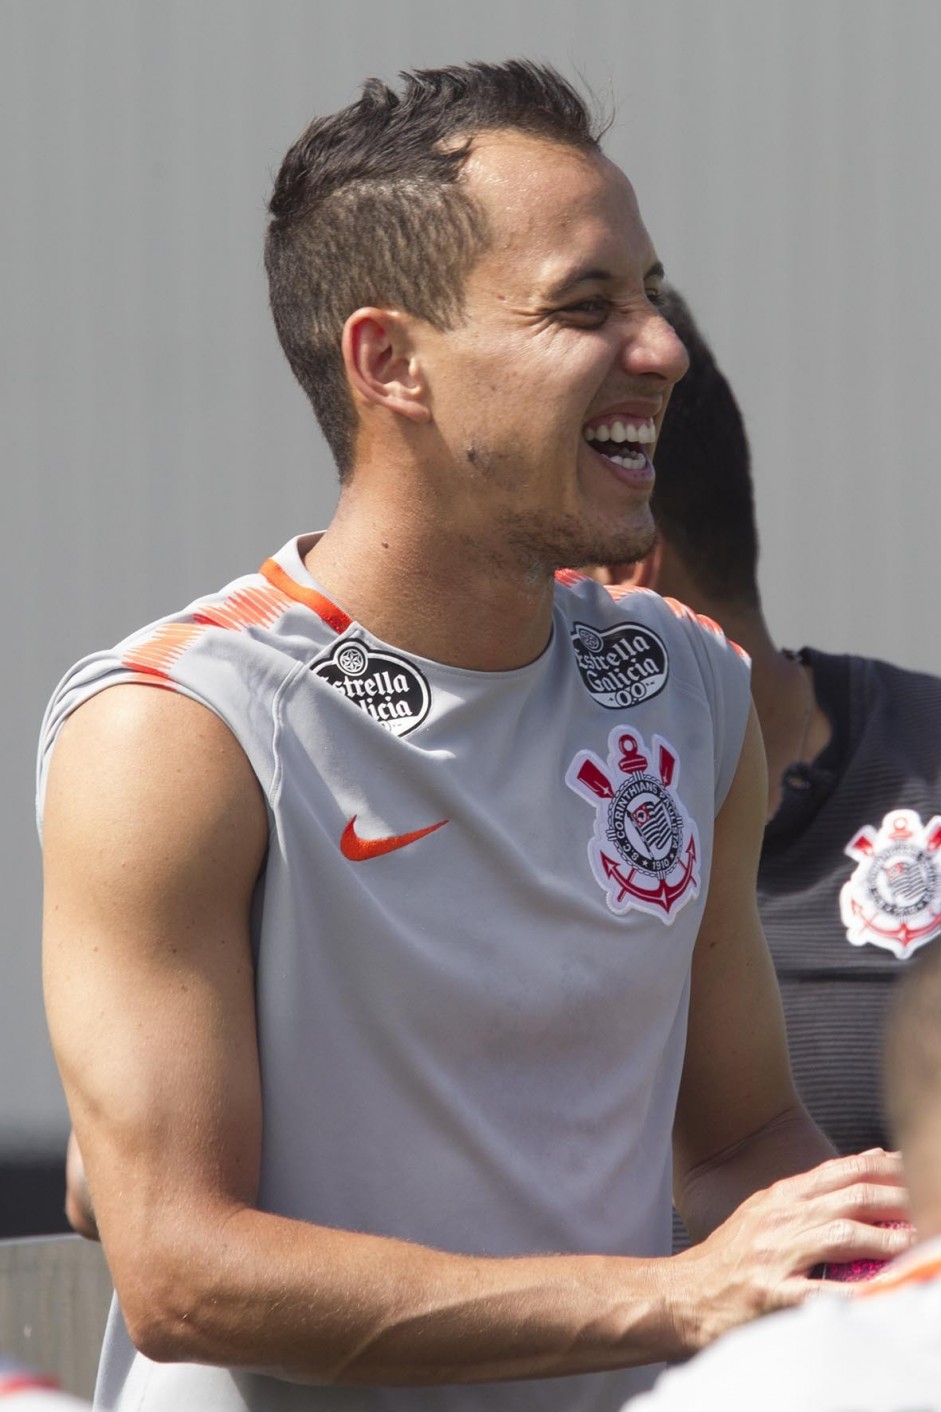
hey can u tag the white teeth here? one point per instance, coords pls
(620, 431)
(634, 459)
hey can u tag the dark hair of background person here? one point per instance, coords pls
(367, 210)
(703, 500)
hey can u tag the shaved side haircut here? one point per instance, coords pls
(368, 209)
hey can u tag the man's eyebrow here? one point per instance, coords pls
(588, 274)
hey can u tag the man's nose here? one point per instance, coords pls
(655, 347)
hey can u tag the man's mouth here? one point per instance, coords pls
(618, 439)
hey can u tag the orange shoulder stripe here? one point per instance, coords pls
(917, 1275)
(568, 577)
(247, 607)
(681, 610)
(158, 653)
(333, 616)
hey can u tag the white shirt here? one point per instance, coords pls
(877, 1350)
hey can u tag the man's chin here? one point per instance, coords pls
(568, 543)
(606, 551)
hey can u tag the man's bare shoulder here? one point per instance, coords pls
(138, 766)
(140, 721)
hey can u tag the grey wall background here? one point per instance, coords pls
(153, 442)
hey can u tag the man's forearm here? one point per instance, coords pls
(709, 1193)
(324, 1306)
(242, 1288)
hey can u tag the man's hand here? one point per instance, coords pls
(760, 1259)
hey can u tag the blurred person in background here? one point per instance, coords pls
(849, 883)
(23, 1390)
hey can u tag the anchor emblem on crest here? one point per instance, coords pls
(645, 848)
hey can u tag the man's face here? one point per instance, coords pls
(549, 396)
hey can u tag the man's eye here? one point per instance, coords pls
(594, 310)
(655, 294)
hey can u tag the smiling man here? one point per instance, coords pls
(391, 940)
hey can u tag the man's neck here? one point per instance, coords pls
(432, 590)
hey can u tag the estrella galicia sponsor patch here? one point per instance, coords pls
(621, 665)
(389, 688)
(893, 898)
(644, 851)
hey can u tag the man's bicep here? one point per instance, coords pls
(736, 1076)
(154, 835)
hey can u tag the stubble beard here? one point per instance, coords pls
(541, 546)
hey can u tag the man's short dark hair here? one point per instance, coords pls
(367, 209)
(703, 500)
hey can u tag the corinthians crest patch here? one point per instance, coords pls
(893, 898)
(645, 849)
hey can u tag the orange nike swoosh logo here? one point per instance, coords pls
(357, 849)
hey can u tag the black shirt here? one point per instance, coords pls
(884, 757)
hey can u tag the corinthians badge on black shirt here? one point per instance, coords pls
(387, 687)
(893, 898)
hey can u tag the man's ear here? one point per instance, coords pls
(382, 364)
